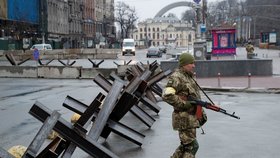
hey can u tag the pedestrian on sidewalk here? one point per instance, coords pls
(180, 87)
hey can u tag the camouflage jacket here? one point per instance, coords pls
(250, 49)
(182, 85)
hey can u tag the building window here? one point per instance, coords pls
(190, 38)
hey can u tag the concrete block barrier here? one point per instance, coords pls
(59, 72)
(67, 54)
(227, 68)
(67, 72)
(18, 71)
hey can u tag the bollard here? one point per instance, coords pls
(219, 79)
(194, 75)
(249, 80)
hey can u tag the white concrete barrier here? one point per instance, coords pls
(18, 71)
(59, 72)
(71, 72)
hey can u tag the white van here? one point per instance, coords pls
(128, 46)
(41, 47)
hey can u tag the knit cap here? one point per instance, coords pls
(185, 58)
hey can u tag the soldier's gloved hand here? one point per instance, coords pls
(197, 102)
(202, 103)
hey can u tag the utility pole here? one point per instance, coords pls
(43, 19)
(200, 43)
(204, 10)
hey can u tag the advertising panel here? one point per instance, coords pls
(272, 37)
(23, 10)
(3, 9)
(223, 41)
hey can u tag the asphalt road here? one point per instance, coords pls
(255, 135)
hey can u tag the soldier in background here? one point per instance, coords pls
(179, 88)
(250, 50)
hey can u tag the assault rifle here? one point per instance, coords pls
(211, 106)
(208, 105)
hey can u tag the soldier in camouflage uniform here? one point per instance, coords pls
(181, 86)
(250, 50)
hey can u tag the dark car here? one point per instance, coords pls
(153, 52)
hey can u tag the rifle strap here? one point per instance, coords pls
(198, 112)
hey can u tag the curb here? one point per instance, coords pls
(244, 90)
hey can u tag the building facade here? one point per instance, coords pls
(89, 27)
(105, 27)
(55, 22)
(166, 30)
(75, 19)
(62, 23)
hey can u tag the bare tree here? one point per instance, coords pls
(126, 18)
(188, 15)
(224, 12)
(265, 16)
(255, 15)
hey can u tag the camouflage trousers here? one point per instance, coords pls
(188, 146)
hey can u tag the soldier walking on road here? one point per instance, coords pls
(179, 88)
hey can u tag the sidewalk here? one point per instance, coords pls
(269, 84)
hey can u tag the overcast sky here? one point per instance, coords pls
(149, 8)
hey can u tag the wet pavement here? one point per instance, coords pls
(255, 135)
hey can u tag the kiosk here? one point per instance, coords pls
(223, 41)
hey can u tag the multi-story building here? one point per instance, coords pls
(54, 21)
(75, 19)
(18, 23)
(166, 30)
(62, 23)
(109, 21)
(105, 28)
(89, 27)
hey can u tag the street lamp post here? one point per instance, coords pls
(250, 19)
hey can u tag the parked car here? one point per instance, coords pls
(41, 47)
(153, 52)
